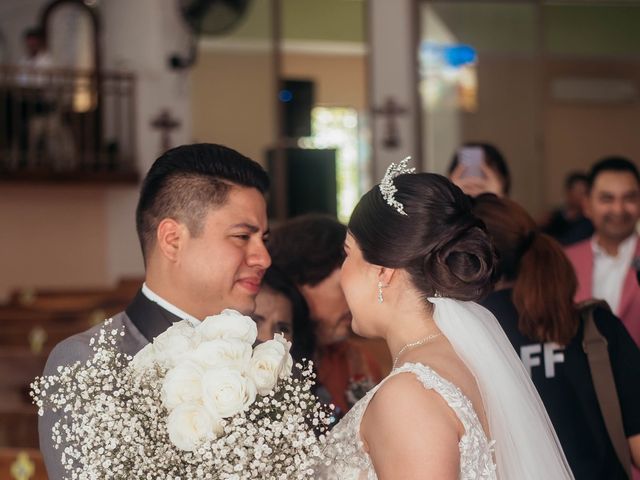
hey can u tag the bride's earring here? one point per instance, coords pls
(380, 297)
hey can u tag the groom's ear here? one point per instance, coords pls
(169, 236)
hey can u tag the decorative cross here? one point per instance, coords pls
(165, 123)
(23, 468)
(390, 110)
(37, 338)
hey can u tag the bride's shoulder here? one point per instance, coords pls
(404, 420)
(404, 392)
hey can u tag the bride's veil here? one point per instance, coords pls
(526, 443)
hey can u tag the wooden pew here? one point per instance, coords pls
(40, 331)
(41, 318)
(19, 428)
(18, 367)
(21, 360)
(21, 464)
(16, 317)
(18, 415)
(76, 298)
(29, 328)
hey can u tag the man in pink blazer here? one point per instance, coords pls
(606, 264)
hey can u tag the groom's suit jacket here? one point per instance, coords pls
(143, 320)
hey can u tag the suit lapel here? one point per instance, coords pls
(630, 287)
(149, 317)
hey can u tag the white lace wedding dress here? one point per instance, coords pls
(526, 445)
(348, 460)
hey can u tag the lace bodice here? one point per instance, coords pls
(346, 459)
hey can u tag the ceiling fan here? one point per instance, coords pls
(207, 17)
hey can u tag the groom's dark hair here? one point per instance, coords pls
(186, 181)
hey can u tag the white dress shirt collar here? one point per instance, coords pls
(610, 271)
(154, 297)
(626, 249)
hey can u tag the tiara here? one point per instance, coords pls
(388, 189)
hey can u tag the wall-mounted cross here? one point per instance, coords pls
(391, 109)
(165, 123)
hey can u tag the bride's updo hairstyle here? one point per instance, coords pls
(439, 242)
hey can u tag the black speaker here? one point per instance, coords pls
(311, 181)
(297, 97)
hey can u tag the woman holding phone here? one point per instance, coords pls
(478, 168)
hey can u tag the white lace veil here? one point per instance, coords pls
(527, 447)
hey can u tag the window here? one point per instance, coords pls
(340, 128)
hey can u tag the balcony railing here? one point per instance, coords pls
(63, 124)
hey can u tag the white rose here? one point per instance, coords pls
(182, 384)
(266, 365)
(175, 343)
(227, 392)
(144, 359)
(190, 423)
(229, 324)
(287, 363)
(231, 353)
(183, 327)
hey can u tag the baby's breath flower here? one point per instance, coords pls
(115, 423)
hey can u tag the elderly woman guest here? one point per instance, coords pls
(281, 308)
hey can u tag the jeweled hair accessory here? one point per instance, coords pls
(388, 189)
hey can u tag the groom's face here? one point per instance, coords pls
(222, 267)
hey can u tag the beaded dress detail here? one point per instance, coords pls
(346, 459)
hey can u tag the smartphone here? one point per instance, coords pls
(472, 159)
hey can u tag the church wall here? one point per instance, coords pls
(579, 133)
(340, 79)
(228, 98)
(232, 101)
(544, 138)
(507, 116)
(52, 237)
(392, 77)
(232, 93)
(15, 17)
(89, 234)
(140, 36)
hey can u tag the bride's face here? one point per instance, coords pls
(359, 284)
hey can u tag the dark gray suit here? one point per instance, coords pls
(143, 320)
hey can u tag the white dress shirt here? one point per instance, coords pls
(610, 271)
(155, 298)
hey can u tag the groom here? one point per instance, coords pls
(202, 222)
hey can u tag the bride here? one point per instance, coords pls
(458, 403)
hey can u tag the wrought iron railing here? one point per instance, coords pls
(66, 124)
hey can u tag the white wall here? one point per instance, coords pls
(392, 69)
(140, 36)
(51, 237)
(15, 17)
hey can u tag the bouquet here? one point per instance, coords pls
(199, 402)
